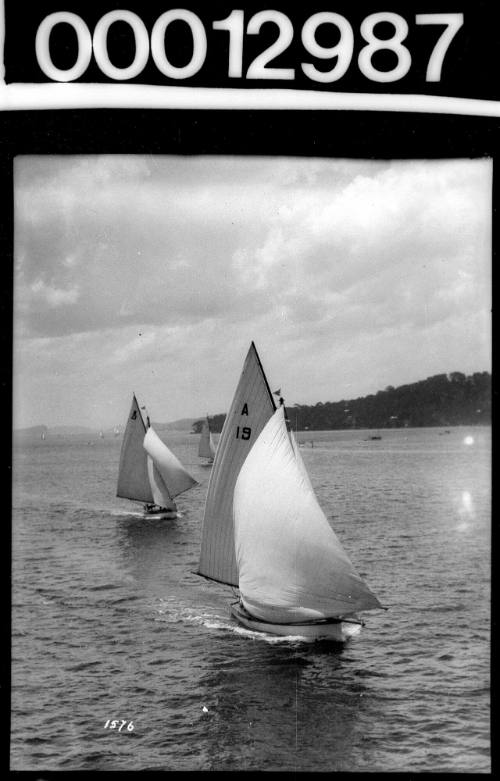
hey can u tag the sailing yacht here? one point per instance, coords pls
(265, 532)
(206, 448)
(149, 472)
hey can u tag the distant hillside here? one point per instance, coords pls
(184, 424)
(33, 432)
(65, 430)
(36, 432)
(442, 400)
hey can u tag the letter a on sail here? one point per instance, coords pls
(251, 408)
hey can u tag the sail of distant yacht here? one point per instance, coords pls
(149, 472)
(206, 448)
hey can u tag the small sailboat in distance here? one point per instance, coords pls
(294, 577)
(149, 472)
(206, 448)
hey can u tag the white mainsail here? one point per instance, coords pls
(206, 447)
(133, 479)
(251, 408)
(291, 564)
(167, 466)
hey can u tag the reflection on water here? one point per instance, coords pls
(249, 678)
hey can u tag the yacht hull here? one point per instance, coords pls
(160, 515)
(338, 631)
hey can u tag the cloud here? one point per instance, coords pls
(53, 296)
(352, 273)
(139, 345)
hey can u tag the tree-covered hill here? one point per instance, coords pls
(442, 400)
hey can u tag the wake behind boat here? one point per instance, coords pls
(149, 472)
(265, 532)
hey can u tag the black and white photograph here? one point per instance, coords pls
(251, 359)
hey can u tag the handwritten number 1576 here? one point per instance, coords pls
(113, 724)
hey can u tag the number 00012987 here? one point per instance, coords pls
(340, 54)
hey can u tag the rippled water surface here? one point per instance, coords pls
(109, 621)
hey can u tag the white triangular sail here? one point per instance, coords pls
(158, 488)
(133, 480)
(175, 478)
(292, 567)
(206, 447)
(251, 408)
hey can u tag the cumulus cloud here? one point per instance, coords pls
(351, 274)
(53, 296)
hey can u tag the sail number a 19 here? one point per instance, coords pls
(243, 432)
(325, 53)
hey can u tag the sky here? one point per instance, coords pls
(153, 274)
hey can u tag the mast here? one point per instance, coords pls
(251, 408)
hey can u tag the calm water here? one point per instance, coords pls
(110, 623)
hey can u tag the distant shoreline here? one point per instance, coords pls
(444, 400)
